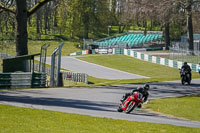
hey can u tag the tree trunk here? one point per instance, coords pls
(145, 25)
(6, 23)
(190, 25)
(86, 25)
(167, 36)
(41, 25)
(45, 19)
(13, 27)
(55, 24)
(121, 28)
(22, 35)
(29, 22)
(38, 22)
(151, 26)
(86, 32)
(1, 28)
(49, 22)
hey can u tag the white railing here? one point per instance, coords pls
(72, 76)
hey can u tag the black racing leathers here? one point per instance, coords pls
(141, 90)
(187, 69)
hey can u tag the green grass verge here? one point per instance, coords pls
(185, 107)
(24, 120)
(156, 72)
(35, 46)
(192, 59)
(68, 47)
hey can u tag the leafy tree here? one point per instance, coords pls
(82, 17)
(189, 6)
(22, 14)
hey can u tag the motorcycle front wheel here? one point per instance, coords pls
(130, 107)
(189, 81)
(182, 80)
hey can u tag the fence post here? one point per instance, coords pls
(55, 66)
(59, 65)
(52, 82)
(42, 66)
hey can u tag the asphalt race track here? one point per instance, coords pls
(76, 65)
(101, 101)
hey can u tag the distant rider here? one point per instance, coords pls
(144, 90)
(187, 68)
(199, 68)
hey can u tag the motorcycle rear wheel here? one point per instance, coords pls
(120, 108)
(130, 107)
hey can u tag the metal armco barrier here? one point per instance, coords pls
(22, 80)
(39, 80)
(15, 80)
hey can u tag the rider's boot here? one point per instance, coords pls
(139, 106)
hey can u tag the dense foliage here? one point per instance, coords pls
(78, 19)
(91, 18)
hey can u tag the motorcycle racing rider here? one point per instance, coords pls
(143, 90)
(199, 68)
(187, 68)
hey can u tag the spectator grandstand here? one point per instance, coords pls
(128, 40)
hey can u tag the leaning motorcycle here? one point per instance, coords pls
(131, 102)
(185, 77)
(199, 69)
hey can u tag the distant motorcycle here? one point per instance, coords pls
(131, 102)
(185, 77)
(199, 69)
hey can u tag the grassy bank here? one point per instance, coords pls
(23, 120)
(35, 46)
(185, 107)
(155, 72)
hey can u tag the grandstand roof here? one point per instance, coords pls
(131, 39)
